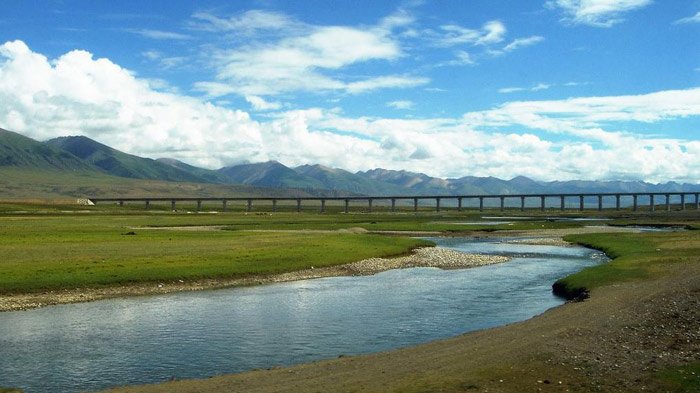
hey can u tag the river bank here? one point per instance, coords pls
(421, 257)
(616, 341)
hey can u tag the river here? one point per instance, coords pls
(89, 346)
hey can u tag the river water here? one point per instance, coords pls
(88, 346)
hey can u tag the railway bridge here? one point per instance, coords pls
(654, 201)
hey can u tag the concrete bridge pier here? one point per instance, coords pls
(481, 204)
(274, 205)
(393, 205)
(199, 204)
(459, 204)
(298, 205)
(697, 201)
(437, 204)
(415, 204)
(323, 206)
(682, 201)
(561, 203)
(249, 206)
(172, 205)
(600, 202)
(634, 203)
(369, 203)
(617, 202)
(542, 203)
(503, 203)
(580, 202)
(224, 205)
(668, 202)
(652, 206)
(522, 203)
(347, 206)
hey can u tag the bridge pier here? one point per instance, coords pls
(249, 205)
(481, 204)
(682, 201)
(542, 203)
(199, 204)
(652, 206)
(437, 205)
(459, 204)
(634, 203)
(415, 205)
(274, 205)
(323, 206)
(668, 202)
(522, 203)
(224, 205)
(580, 202)
(697, 201)
(369, 203)
(393, 205)
(617, 202)
(562, 205)
(600, 202)
(503, 203)
(347, 206)
(172, 205)
(148, 203)
(298, 205)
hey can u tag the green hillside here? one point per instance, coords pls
(117, 163)
(19, 151)
(269, 174)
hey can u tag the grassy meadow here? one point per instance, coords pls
(46, 247)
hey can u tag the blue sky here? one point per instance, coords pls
(550, 89)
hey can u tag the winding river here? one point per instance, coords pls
(89, 346)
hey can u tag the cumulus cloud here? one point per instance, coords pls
(78, 94)
(597, 13)
(260, 104)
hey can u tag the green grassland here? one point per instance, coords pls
(634, 256)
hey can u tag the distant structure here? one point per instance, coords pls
(438, 202)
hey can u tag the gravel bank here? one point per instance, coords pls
(422, 257)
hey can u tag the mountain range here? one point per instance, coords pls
(79, 154)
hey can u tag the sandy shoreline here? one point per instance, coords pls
(422, 257)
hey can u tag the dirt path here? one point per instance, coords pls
(612, 342)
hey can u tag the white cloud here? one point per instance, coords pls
(691, 19)
(78, 94)
(247, 23)
(159, 34)
(537, 87)
(260, 104)
(385, 82)
(302, 57)
(401, 104)
(450, 35)
(597, 13)
(523, 42)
